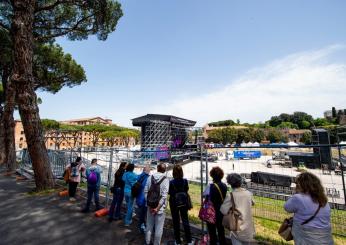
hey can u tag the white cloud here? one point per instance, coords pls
(309, 81)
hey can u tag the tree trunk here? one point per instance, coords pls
(22, 79)
(9, 125)
(2, 137)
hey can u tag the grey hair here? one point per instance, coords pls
(235, 180)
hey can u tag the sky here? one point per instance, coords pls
(209, 61)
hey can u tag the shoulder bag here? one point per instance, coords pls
(231, 219)
(285, 230)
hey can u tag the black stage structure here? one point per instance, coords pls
(164, 133)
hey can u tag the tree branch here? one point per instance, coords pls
(63, 33)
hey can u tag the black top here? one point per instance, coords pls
(118, 181)
(177, 185)
(215, 196)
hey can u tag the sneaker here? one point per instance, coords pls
(142, 228)
(72, 199)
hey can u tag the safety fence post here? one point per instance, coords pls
(109, 177)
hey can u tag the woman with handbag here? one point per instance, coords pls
(216, 193)
(180, 203)
(311, 220)
(241, 202)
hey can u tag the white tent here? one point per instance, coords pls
(292, 143)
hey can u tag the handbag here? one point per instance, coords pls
(285, 230)
(232, 218)
(207, 212)
(66, 175)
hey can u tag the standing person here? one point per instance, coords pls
(178, 203)
(243, 203)
(118, 193)
(216, 192)
(140, 200)
(93, 175)
(155, 192)
(75, 169)
(311, 220)
(130, 179)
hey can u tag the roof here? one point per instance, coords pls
(139, 121)
(86, 119)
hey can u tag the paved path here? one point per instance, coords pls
(50, 219)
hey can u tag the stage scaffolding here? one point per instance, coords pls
(164, 133)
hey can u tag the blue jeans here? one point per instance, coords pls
(93, 191)
(118, 197)
(129, 202)
(142, 214)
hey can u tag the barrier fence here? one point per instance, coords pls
(262, 168)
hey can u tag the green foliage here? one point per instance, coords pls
(299, 120)
(275, 136)
(49, 124)
(320, 122)
(307, 138)
(68, 127)
(53, 69)
(287, 125)
(222, 123)
(95, 128)
(259, 135)
(230, 135)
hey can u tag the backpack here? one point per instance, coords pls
(154, 193)
(92, 178)
(180, 197)
(74, 169)
(136, 188)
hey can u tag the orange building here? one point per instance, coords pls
(57, 139)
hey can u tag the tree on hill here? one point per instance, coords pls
(276, 136)
(258, 135)
(30, 22)
(222, 123)
(284, 125)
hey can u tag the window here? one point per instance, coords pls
(51, 144)
(20, 145)
(21, 132)
(21, 139)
